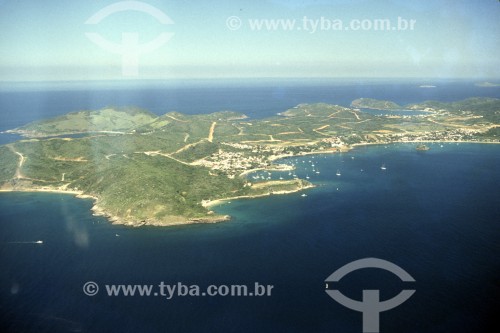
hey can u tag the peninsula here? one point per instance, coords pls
(144, 169)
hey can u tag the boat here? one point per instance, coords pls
(422, 147)
(304, 195)
(383, 167)
(39, 242)
(338, 173)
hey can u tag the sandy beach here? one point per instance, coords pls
(419, 141)
(179, 220)
(216, 202)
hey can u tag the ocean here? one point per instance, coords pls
(434, 213)
(22, 102)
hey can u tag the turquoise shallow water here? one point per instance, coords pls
(433, 213)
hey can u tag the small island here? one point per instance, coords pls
(487, 84)
(144, 169)
(422, 147)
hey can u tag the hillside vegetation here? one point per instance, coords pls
(163, 170)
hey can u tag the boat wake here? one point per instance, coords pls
(27, 242)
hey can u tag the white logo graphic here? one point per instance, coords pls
(371, 306)
(130, 49)
(90, 288)
(233, 23)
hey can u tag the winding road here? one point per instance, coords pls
(211, 133)
(18, 174)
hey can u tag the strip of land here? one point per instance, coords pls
(143, 169)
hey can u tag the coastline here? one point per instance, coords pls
(216, 202)
(343, 149)
(29, 135)
(113, 219)
(419, 141)
(211, 217)
(76, 194)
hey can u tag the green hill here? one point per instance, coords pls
(488, 108)
(370, 103)
(108, 119)
(165, 170)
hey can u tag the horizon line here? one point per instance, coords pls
(371, 78)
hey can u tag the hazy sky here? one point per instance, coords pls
(46, 40)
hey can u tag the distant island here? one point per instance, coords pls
(487, 84)
(371, 103)
(144, 169)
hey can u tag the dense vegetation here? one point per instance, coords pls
(8, 164)
(371, 103)
(160, 169)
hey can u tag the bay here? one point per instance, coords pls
(433, 213)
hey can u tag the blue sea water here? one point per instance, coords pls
(433, 213)
(21, 103)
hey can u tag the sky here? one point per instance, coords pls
(54, 40)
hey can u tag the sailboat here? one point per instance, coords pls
(383, 167)
(338, 173)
